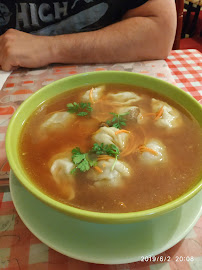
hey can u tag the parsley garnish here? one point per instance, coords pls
(109, 149)
(105, 149)
(82, 160)
(117, 121)
(81, 109)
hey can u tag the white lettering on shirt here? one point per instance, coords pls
(43, 13)
(22, 16)
(34, 15)
(60, 10)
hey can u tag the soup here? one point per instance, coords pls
(112, 148)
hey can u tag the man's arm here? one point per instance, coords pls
(144, 33)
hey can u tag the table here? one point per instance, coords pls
(19, 248)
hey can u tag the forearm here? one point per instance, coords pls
(145, 33)
(133, 39)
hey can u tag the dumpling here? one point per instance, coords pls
(107, 135)
(134, 113)
(124, 98)
(61, 169)
(94, 94)
(61, 172)
(109, 176)
(55, 121)
(170, 118)
(158, 156)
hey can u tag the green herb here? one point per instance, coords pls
(105, 149)
(109, 149)
(117, 121)
(82, 161)
(81, 109)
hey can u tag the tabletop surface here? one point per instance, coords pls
(17, 243)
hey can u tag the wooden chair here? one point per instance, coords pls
(193, 8)
(179, 8)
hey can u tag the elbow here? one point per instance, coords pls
(162, 47)
(157, 45)
(164, 42)
(163, 39)
(163, 52)
(160, 51)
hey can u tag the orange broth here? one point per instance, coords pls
(147, 187)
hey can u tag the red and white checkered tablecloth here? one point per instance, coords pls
(17, 243)
(186, 67)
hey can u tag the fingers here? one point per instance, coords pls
(22, 49)
(4, 60)
(6, 67)
(7, 61)
(1, 50)
(7, 64)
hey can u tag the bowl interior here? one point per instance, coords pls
(69, 83)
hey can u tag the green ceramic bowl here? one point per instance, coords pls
(63, 85)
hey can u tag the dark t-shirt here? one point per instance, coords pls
(55, 17)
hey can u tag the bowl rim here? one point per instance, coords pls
(83, 214)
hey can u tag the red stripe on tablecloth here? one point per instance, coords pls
(180, 63)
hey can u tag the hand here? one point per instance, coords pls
(19, 49)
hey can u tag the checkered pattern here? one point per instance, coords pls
(186, 68)
(19, 248)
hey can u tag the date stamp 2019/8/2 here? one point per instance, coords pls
(167, 258)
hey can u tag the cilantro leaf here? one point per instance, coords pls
(83, 165)
(81, 109)
(117, 121)
(105, 149)
(82, 113)
(76, 151)
(108, 149)
(82, 161)
(92, 162)
(77, 158)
